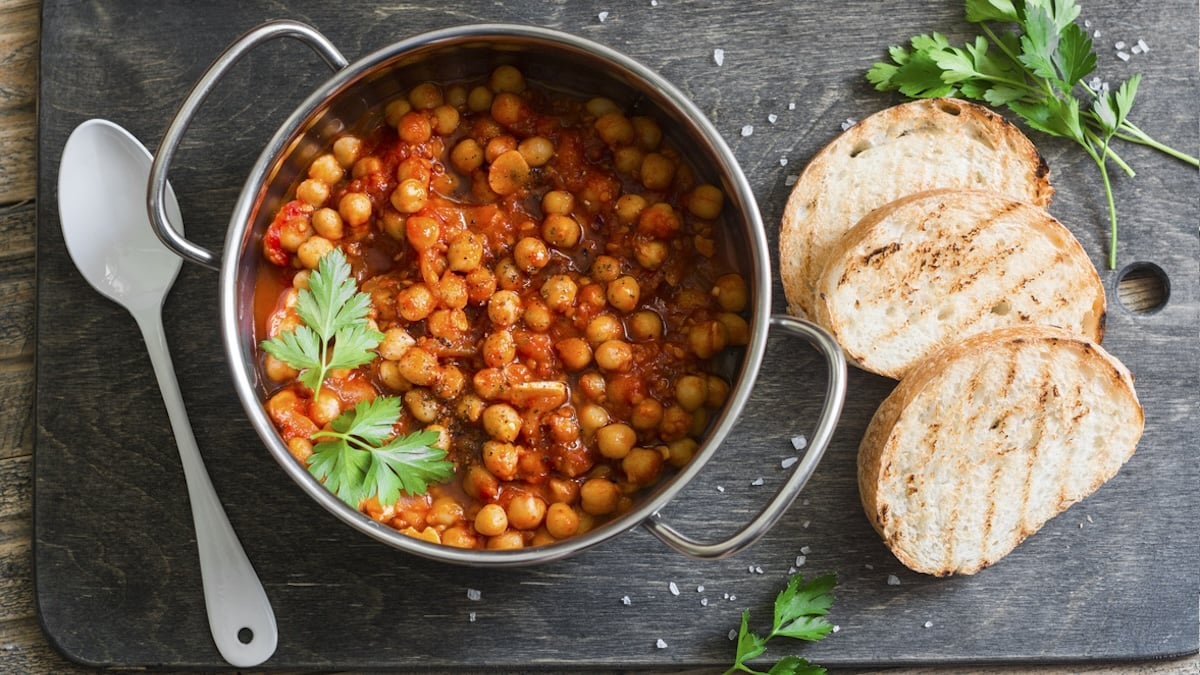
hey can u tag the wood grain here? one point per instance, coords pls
(23, 646)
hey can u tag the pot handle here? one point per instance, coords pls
(835, 393)
(157, 186)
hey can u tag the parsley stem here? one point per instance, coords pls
(1109, 152)
(1138, 136)
(350, 439)
(1112, 207)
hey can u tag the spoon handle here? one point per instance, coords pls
(239, 612)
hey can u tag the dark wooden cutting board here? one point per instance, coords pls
(1115, 577)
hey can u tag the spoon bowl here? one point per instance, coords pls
(102, 205)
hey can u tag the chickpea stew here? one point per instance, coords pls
(545, 273)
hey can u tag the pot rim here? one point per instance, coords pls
(234, 317)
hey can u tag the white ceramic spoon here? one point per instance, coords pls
(102, 205)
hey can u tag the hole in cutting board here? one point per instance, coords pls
(1143, 288)
(245, 636)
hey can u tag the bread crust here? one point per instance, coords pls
(986, 440)
(908, 148)
(934, 267)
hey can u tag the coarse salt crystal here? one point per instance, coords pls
(836, 628)
(603, 16)
(1135, 49)
(788, 461)
(747, 130)
(1089, 518)
(654, 3)
(720, 488)
(791, 570)
(700, 588)
(869, 566)
(783, 161)
(799, 442)
(800, 560)
(726, 596)
(732, 598)
(757, 482)
(733, 633)
(674, 588)
(893, 580)
(719, 56)
(1142, 43)
(805, 524)
(471, 617)
(928, 624)
(790, 180)
(848, 122)
(704, 602)
(806, 550)
(758, 569)
(661, 643)
(750, 569)
(625, 600)
(1120, 44)
(792, 105)
(1124, 56)
(1087, 23)
(772, 118)
(474, 594)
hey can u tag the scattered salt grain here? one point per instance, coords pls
(1096, 34)
(720, 488)
(603, 16)
(654, 3)
(700, 588)
(747, 130)
(1120, 44)
(674, 588)
(719, 56)
(474, 594)
(788, 461)
(806, 550)
(928, 624)
(799, 442)
(800, 560)
(704, 602)
(893, 580)
(733, 633)
(783, 161)
(836, 628)
(1087, 23)
(790, 180)
(1089, 519)
(1124, 56)
(1095, 83)
(758, 569)
(805, 524)
(661, 643)
(471, 617)
(848, 122)
(1142, 43)
(772, 118)
(792, 105)
(1135, 49)
(750, 569)
(756, 482)
(869, 566)
(626, 601)
(732, 598)
(792, 570)
(726, 596)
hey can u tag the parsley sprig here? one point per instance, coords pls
(356, 460)
(335, 333)
(800, 611)
(1034, 71)
(359, 456)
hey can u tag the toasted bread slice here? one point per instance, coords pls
(983, 442)
(926, 270)
(913, 147)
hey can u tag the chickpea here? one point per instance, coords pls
(418, 366)
(508, 173)
(507, 78)
(642, 466)
(395, 342)
(705, 201)
(707, 338)
(295, 232)
(347, 150)
(591, 418)
(676, 423)
(699, 422)
(422, 405)
(425, 96)
(313, 192)
(410, 196)
(459, 537)
(650, 254)
(575, 353)
(736, 327)
(491, 520)
(447, 323)
(502, 422)
(445, 511)
(730, 292)
(504, 308)
(659, 221)
(644, 325)
(508, 109)
(600, 106)
(445, 120)
(614, 441)
(537, 316)
(300, 448)
(561, 520)
(467, 155)
(300, 280)
(395, 110)
(389, 375)
(326, 169)
(563, 426)
(312, 250)
(624, 293)
(479, 483)
(366, 166)
(393, 223)
(691, 391)
(422, 232)
(561, 231)
(465, 252)
(629, 207)
(415, 167)
(414, 127)
(599, 496)
(526, 511)
(615, 128)
(278, 370)
(449, 382)
(681, 451)
(657, 172)
(605, 268)
(614, 355)
(499, 145)
(628, 160)
(456, 95)
(558, 201)
(355, 208)
(328, 223)
(470, 407)
(506, 541)
(501, 459)
(537, 150)
(415, 302)
(594, 386)
(718, 391)
(481, 284)
(649, 134)
(647, 414)
(499, 349)
(559, 292)
(479, 99)
(508, 274)
(531, 254)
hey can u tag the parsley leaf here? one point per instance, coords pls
(800, 611)
(356, 461)
(1035, 71)
(335, 333)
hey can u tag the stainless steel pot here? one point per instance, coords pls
(552, 58)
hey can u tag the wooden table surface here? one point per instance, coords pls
(23, 647)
